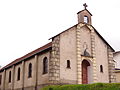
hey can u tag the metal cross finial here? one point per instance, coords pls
(85, 5)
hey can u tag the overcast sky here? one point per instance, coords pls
(26, 25)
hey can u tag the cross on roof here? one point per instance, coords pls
(85, 5)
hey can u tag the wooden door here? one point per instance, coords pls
(85, 64)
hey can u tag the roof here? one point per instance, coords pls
(84, 10)
(103, 39)
(117, 70)
(47, 46)
(116, 52)
(63, 31)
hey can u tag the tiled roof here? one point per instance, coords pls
(116, 52)
(49, 45)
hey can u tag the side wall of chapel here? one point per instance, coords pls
(2, 74)
(35, 82)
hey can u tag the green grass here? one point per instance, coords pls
(96, 86)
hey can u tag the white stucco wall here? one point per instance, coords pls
(8, 85)
(42, 78)
(101, 59)
(18, 84)
(68, 52)
(2, 79)
(117, 76)
(90, 73)
(32, 79)
(85, 40)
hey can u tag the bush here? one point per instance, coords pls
(96, 86)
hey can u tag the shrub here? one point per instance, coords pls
(96, 86)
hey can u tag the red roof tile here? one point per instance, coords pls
(29, 55)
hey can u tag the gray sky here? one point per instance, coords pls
(26, 25)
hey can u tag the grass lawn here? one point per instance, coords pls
(96, 86)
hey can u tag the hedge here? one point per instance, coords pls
(96, 86)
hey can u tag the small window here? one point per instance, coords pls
(18, 74)
(0, 79)
(10, 77)
(68, 64)
(30, 70)
(45, 65)
(101, 68)
(85, 19)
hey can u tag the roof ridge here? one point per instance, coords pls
(48, 45)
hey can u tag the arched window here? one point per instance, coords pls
(85, 19)
(45, 65)
(18, 74)
(68, 63)
(9, 76)
(101, 68)
(30, 70)
(0, 79)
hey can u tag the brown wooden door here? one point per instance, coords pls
(85, 64)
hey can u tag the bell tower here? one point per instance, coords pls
(84, 16)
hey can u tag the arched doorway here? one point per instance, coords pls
(85, 65)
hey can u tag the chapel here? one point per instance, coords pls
(78, 55)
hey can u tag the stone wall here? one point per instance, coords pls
(93, 53)
(92, 57)
(78, 50)
(111, 65)
(54, 66)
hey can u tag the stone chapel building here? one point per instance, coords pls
(78, 55)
